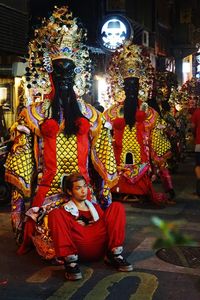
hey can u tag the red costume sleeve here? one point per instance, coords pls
(49, 130)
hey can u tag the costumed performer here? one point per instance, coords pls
(138, 141)
(60, 135)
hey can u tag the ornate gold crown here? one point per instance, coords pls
(130, 61)
(60, 36)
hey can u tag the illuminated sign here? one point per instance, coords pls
(114, 31)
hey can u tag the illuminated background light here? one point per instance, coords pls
(114, 32)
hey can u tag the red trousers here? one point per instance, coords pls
(89, 242)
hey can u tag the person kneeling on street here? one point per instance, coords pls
(82, 231)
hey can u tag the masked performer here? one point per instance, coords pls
(59, 135)
(138, 140)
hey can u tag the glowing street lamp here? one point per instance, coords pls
(114, 31)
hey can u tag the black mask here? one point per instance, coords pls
(63, 73)
(131, 88)
(65, 97)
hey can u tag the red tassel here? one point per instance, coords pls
(140, 116)
(119, 123)
(84, 126)
(49, 128)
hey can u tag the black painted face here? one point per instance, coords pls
(63, 74)
(130, 85)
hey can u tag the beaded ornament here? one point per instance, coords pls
(130, 61)
(60, 36)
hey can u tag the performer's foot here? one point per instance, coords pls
(56, 261)
(171, 196)
(119, 262)
(72, 271)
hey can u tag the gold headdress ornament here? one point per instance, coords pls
(188, 94)
(60, 36)
(130, 61)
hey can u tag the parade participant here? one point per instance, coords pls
(196, 128)
(138, 140)
(82, 231)
(173, 136)
(165, 125)
(60, 134)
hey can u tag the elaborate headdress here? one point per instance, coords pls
(130, 61)
(60, 36)
(188, 95)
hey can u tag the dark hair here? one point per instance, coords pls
(165, 106)
(154, 104)
(67, 181)
(131, 88)
(99, 107)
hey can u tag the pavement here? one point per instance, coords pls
(29, 277)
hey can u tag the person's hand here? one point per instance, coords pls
(81, 222)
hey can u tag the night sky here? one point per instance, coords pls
(89, 12)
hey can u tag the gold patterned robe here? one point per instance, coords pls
(24, 165)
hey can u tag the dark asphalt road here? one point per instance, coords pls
(28, 277)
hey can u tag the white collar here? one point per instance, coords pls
(71, 207)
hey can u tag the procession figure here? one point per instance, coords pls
(138, 139)
(59, 135)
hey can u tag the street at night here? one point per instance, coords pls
(29, 277)
(100, 150)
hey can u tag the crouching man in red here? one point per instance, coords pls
(83, 231)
